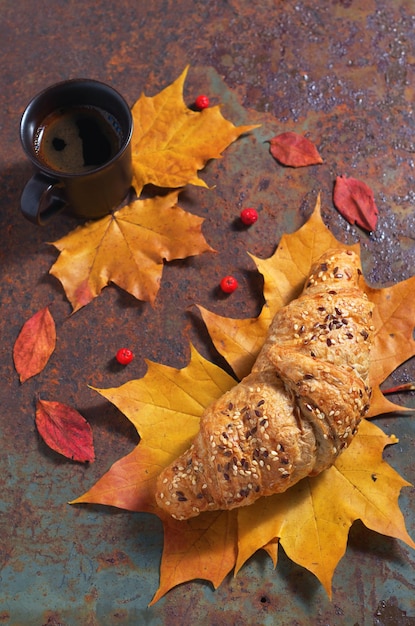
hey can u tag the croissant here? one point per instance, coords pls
(295, 412)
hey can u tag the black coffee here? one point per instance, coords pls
(77, 139)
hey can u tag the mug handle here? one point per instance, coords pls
(42, 198)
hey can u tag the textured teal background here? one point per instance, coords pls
(341, 71)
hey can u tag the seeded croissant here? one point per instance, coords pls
(295, 412)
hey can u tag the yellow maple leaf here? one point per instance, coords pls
(311, 519)
(206, 550)
(239, 340)
(160, 405)
(127, 248)
(312, 527)
(165, 406)
(171, 143)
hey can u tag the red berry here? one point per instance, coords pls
(249, 216)
(124, 356)
(228, 284)
(202, 102)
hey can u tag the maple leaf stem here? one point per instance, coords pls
(397, 388)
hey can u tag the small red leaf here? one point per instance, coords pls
(294, 150)
(65, 430)
(34, 345)
(356, 202)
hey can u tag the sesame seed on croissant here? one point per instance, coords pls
(295, 412)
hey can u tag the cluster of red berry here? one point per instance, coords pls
(249, 216)
(228, 284)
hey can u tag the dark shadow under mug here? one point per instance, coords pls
(78, 136)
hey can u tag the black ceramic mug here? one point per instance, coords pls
(78, 136)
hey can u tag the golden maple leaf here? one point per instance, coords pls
(165, 406)
(171, 143)
(239, 341)
(127, 248)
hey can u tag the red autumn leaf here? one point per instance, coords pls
(34, 345)
(65, 430)
(399, 388)
(294, 150)
(356, 202)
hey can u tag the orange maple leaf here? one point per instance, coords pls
(127, 248)
(171, 143)
(165, 406)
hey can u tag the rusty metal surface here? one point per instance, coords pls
(341, 70)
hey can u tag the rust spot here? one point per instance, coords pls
(115, 558)
(92, 596)
(389, 614)
(120, 615)
(53, 619)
